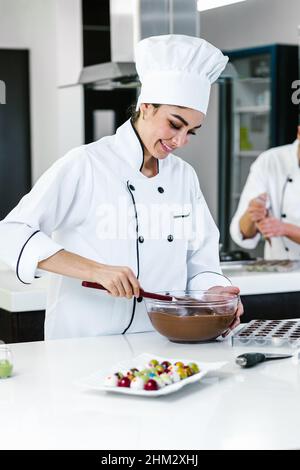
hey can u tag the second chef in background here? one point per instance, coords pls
(269, 206)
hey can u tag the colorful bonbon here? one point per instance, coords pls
(153, 375)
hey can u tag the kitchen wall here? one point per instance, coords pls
(51, 30)
(252, 23)
(246, 24)
(69, 60)
(202, 153)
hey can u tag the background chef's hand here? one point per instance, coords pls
(271, 227)
(240, 308)
(120, 281)
(257, 209)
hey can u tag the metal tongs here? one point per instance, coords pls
(251, 359)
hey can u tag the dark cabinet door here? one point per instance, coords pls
(19, 327)
(15, 161)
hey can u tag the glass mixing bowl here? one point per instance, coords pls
(192, 316)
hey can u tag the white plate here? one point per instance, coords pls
(96, 380)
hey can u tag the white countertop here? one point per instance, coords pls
(18, 297)
(43, 407)
(254, 283)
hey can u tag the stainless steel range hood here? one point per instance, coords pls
(131, 21)
(109, 75)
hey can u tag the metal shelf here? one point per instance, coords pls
(95, 28)
(255, 80)
(249, 153)
(253, 109)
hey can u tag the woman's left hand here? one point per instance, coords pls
(271, 227)
(240, 308)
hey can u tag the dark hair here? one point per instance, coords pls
(136, 114)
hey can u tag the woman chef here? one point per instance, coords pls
(124, 211)
(269, 204)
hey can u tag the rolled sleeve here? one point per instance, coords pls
(237, 236)
(38, 247)
(56, 203)
(256, 184)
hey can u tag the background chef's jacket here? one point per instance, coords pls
(95, 202)
(277, 173)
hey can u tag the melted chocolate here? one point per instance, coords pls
(189, 327)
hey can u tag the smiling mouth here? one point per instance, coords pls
(165, 147)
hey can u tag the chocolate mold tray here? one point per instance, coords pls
(277, 333)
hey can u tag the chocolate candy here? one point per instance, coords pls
(154, 376)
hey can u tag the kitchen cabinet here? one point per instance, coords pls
(15, 153)
(22, 308)
(95, 31)
(16, 327)
(282, 305)
(104, 110)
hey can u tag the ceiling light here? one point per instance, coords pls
(203, 5)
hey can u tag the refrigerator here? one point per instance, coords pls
(256, 112)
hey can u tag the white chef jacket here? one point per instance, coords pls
(95, 202)
(277, 173)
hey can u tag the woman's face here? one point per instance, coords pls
(167, 128)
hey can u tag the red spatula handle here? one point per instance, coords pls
(149, 295)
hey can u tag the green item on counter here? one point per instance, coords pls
(245, 143)
(6, 368)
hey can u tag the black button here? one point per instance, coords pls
(287, 249)
(139, 299)
(131, 187)
(141, 239)
(160, 189)
(283, 216)
(170, 238)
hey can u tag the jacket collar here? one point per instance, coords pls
(129, 145)
(297, 150)
(294, 154)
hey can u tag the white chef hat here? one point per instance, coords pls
(177, 70)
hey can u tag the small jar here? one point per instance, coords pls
(6, 362)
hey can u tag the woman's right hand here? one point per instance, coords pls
(120, 281)
(257, 208)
